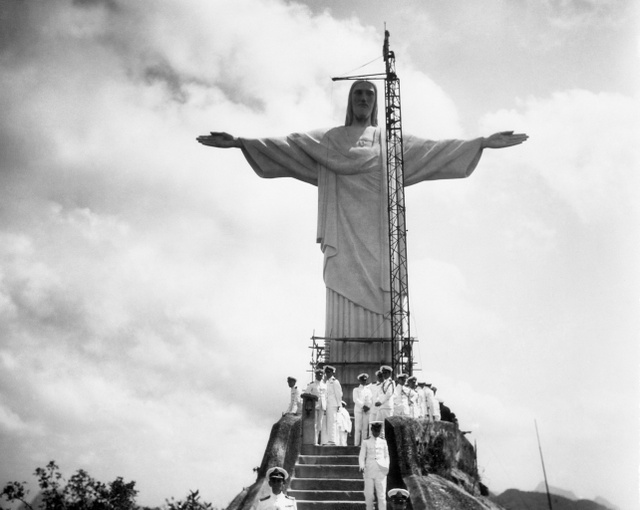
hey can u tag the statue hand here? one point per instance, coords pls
(219, 139)
(503, 139)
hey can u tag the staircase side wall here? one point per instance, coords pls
(418, 448)
(282, 450)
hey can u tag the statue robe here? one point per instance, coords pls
(352, 210)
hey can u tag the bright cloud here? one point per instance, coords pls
(154, 294)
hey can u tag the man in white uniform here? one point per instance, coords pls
(277, 500)
(319, 389)
(362, 402)
(413, 396)
(374, 464)
(344, 424)
(401, 397)
(422, 400)
(384, 401)
(433, 403)
(334, 402)
(398, 499)
(295, 401)
(375, 391)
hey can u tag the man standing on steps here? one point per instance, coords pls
(361, 406)
(277, 500)
(384, 402)
(374, 464)
(401, 397)
(412, 389)
(319, 389)
(375, 392)
(344, 424)
(295, 403)
(334, 402)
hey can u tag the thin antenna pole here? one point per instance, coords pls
(544, 471)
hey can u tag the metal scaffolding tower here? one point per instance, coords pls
(402, 346)
(401, 340)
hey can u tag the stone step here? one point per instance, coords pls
(327, 471)
(309, 449)
(327, 484)
(330, 505)
(345, 460)
(319, 495)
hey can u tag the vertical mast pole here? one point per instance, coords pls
(402, 343)
(544, 471)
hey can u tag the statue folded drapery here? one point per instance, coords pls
(348, 165)
(353, 229)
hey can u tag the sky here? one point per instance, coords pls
(155, 293)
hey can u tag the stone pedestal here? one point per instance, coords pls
(354, 356)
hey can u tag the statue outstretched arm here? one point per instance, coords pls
(503, 139)
(220, 139)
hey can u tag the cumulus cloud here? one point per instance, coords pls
(154, 294)
(589, 151)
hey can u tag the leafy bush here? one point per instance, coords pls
(81, 492)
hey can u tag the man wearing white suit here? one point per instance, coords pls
(362, 402)
(319, 389)
(384, 401)
(374, 463)
(334, 402)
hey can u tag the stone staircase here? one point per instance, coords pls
(328, 477)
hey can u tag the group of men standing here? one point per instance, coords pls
(376, 401)
(385, 397)
(332, 420)
(372, 404)
(279, 500)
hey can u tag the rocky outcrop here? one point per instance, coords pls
(433, 461)
(436, 464)
(282, 450)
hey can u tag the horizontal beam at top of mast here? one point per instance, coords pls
(375, 76)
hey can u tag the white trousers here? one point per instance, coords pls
(361, 427)
(319, 424)
(332, 429)
(380, 486)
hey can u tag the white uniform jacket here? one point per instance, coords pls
(374, 457)
(295, 404)
(334, 393)
(319, 389)
(277, 502)
(362, 397)
(385, 395)
(401, 400)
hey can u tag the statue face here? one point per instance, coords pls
(363, 97)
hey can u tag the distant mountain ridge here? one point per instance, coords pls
(556, 490)
(570, 495)
(514, 499)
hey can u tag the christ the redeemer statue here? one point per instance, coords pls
(347, 164)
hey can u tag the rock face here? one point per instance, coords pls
(282, 450)
(434, 462)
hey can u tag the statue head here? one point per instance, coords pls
(359, 90)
